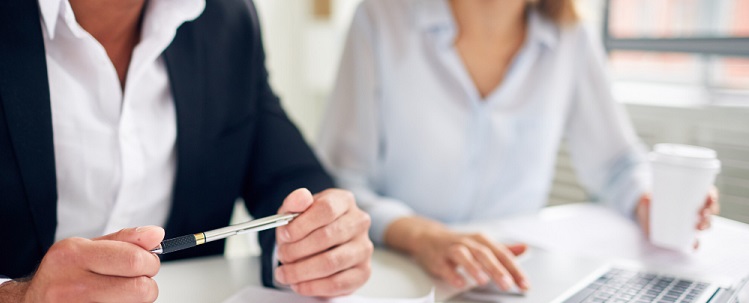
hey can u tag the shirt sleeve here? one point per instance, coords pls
(607, 154)
(350, 141)
(280, 161)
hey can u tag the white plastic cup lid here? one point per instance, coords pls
(685, 155)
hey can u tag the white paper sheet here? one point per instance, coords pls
(256, 294)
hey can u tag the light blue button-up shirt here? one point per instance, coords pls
(407, 131)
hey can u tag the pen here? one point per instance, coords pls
(187, 241)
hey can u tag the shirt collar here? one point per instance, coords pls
(170, 14)
(542, 29)
(435, 16)
(50, 10)
(53, 11)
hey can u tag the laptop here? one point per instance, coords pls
(561, 278)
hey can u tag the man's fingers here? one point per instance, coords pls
(119, 289)
(91, 287)
(147, 237)
(340, 284)
(340, 231)
(326, 264)
(296, 202)
(461, 255)
(327, 207)
(105, 257)
(115, 258)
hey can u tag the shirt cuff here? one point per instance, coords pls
(628, 195)
(383, 215)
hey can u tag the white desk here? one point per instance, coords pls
(583, 229)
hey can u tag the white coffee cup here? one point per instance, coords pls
(682, 178)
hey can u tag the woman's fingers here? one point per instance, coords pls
(705, 218)
(456, 257)
(517, 249)
(448, 271)
(462, 256)
(493, 266)
(712, 201)
(506, 257)
(711, 207)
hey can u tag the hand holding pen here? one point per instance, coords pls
(115, 266)
(325, 251)
(118, 265)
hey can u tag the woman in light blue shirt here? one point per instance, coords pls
(453, 111)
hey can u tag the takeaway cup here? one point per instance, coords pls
(682, 178)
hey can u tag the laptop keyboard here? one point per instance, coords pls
(621, 285)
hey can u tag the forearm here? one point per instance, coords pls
(406, 234)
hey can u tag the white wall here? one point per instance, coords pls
(302, 55)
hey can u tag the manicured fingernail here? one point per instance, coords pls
(524, 285)
(280, 276)
(294, 287)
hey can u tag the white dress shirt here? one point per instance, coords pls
(407, 131)
(115, 151)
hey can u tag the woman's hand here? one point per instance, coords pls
(711, 207)
(441, 252)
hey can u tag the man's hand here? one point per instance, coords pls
(441, 251)
(711, 207)
(116, 267)
(326, 250)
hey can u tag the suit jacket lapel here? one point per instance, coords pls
(186, 67)
(24, 90)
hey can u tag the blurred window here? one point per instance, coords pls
(699, 45)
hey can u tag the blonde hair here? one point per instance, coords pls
(562, 12)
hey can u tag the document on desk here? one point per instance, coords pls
(253, 294)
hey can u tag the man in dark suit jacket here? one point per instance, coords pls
(233, 140)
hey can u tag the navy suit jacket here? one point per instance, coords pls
(233, 138)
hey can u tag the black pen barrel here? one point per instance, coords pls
(180, 243)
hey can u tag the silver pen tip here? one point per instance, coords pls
(158, 250)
